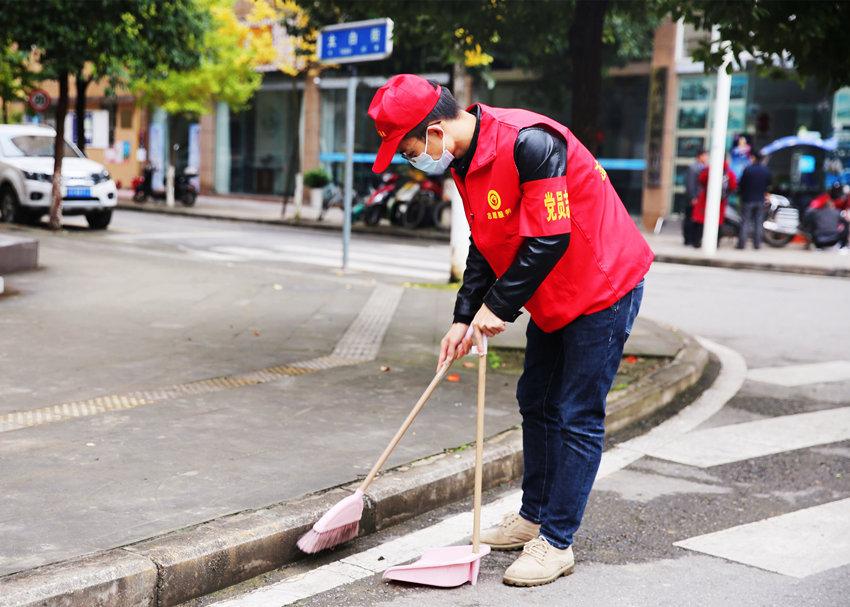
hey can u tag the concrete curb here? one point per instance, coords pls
(181, 565)
(17, 254)
(787, 268)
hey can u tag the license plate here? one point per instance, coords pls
(78, 193)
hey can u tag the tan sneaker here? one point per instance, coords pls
(539, 563)
(511, 534)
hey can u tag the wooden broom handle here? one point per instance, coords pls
(479, 450)
(441, 373)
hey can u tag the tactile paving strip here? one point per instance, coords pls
(360, 343)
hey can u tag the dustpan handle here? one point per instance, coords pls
(479, 449)
(441, 373)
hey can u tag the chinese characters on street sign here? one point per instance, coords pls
(358, 41)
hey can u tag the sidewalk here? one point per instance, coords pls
(270, 211)
(181, 436)
(668, 245)
(792, 258)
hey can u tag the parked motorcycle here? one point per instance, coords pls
(184, 190)
(781, 223)
(413, 205)
(380, 198)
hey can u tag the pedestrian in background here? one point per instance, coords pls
(729, 184)
(692, 190)
(828, 227)
(739, 156)
(755, 182)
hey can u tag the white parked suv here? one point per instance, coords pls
(26, 178)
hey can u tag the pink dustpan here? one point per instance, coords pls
(455, 565)
(445, 567)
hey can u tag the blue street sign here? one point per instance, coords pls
(358, 41)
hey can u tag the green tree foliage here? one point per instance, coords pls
(229, 56)
(566, 43)
(16, 79)
(120, 39)
(810, 37)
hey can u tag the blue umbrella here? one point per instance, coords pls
(788, 142)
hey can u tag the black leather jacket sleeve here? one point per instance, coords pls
(539, 154)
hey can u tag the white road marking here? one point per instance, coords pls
(332, 260)
(796, 544)
(456, 528)
(378, 256)
(802, 375)
(364, 564)
(728, 382)
(169, 235)
(737, 442)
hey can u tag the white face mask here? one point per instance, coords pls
(425, 163)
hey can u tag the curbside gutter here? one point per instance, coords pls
(730, 264)
(184, 564)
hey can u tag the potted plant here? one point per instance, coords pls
(316, 179)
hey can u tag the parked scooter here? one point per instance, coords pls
(415, 201)
(184, 190)
(781, 223)
(380, 198)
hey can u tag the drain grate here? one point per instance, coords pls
(360, 343)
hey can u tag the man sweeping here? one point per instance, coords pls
(549, 234)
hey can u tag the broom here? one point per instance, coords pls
(342, 522)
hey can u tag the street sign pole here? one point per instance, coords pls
(352, 43)
(348, 194)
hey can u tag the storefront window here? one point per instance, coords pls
(332, 141)
(264, 144)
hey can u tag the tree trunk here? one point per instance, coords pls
(462, 85)
(289, 175)
(4, 116)
(80, 111)
(586, 58)
(58, 152)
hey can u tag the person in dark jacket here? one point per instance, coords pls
(827, 226)
(692, 191)
(752, 189)
(551, 235)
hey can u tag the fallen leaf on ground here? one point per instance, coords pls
(468, 365)
(455, 377)
(384, 368)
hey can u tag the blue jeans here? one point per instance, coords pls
(561, 394)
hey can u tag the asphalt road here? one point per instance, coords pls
(780, 513)
(750, 507)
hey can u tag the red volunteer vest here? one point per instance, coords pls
(607, 255)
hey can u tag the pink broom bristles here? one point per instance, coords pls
(313, 541)
(339, 524)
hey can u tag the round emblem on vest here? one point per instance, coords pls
(494, 200)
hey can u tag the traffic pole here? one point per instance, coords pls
(348, 193)
(717, 158)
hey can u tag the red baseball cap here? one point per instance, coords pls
(397, 107)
